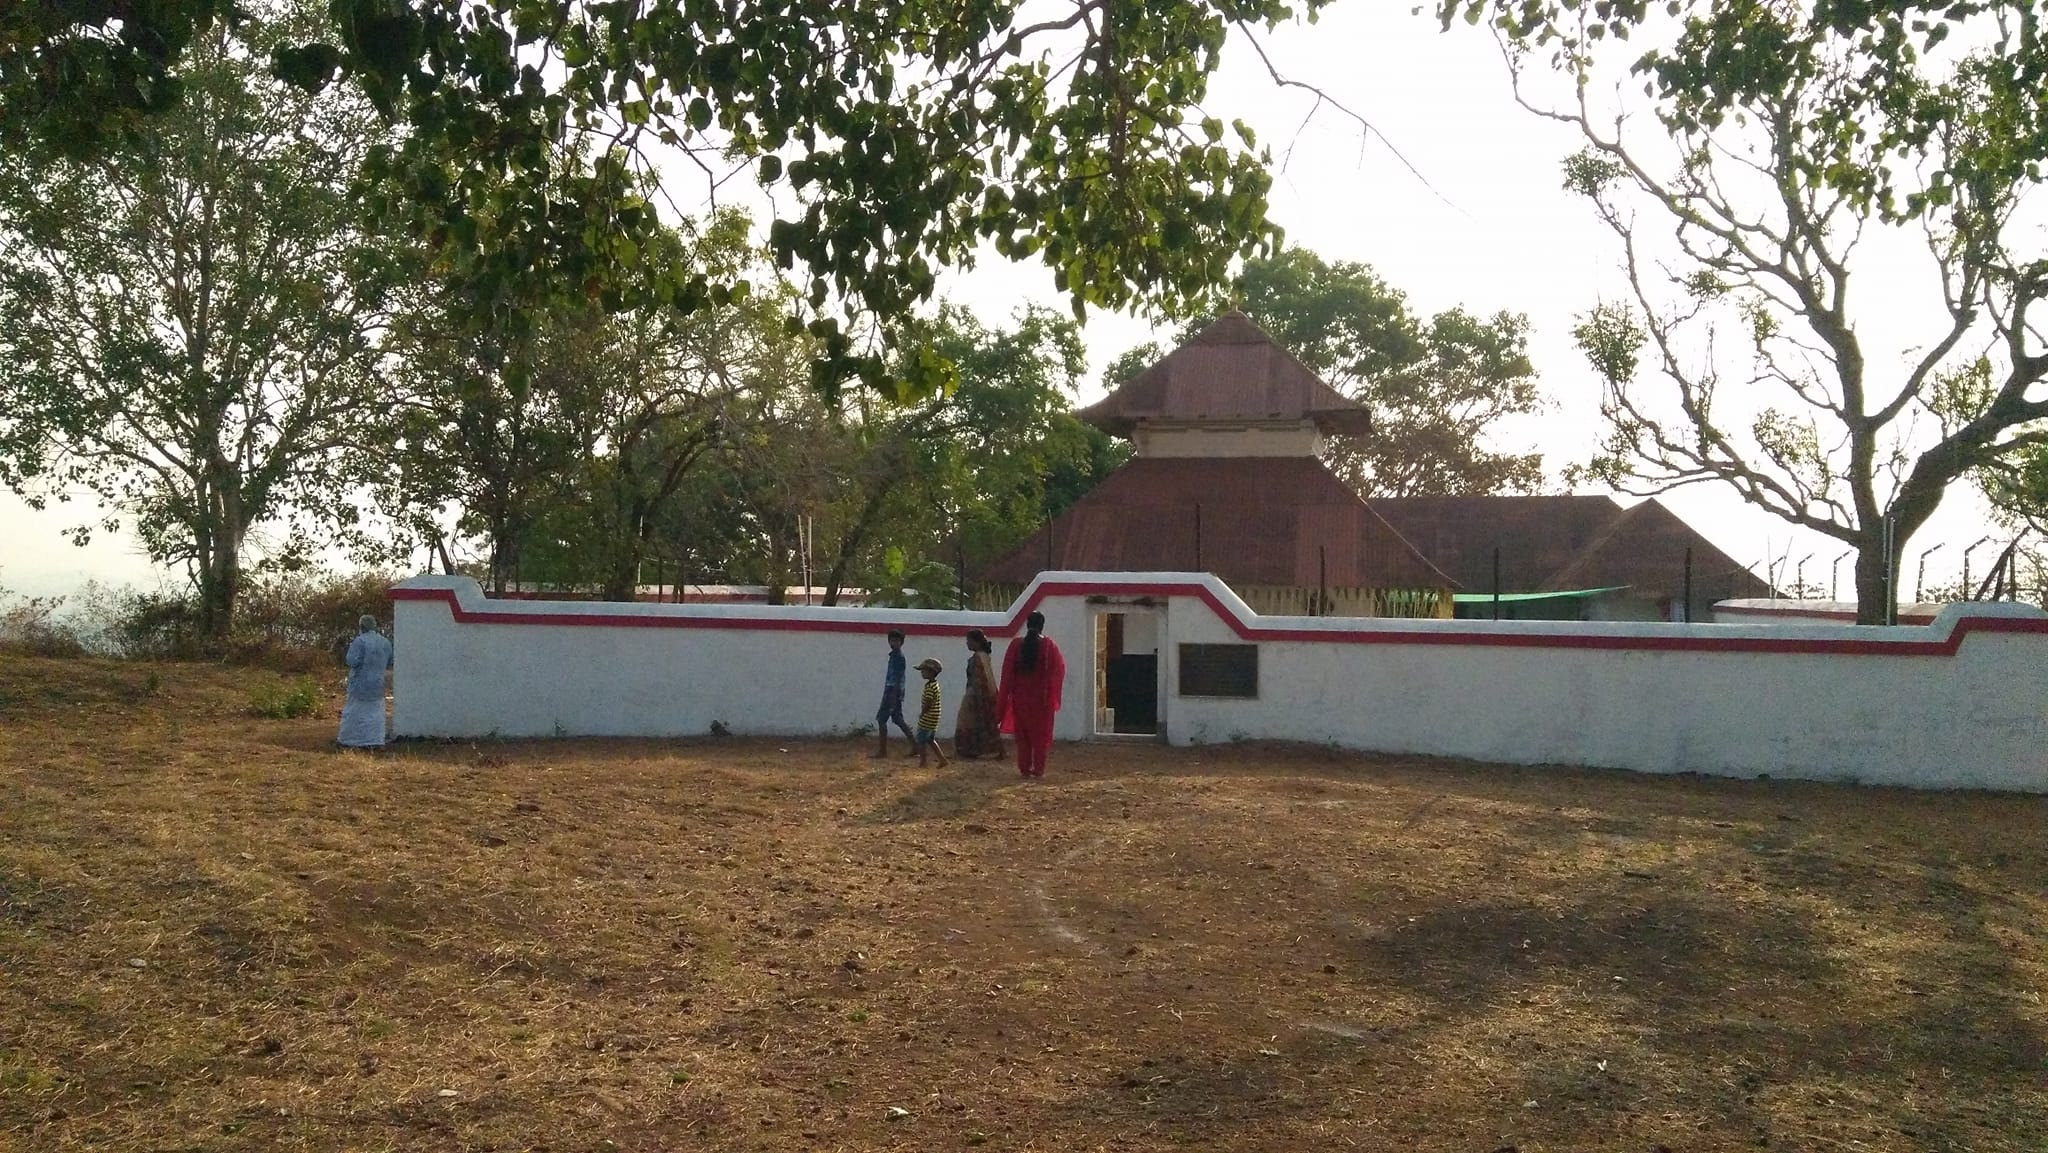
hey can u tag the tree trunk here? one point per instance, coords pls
(629, 551)
(1876, 597)
(622, 581)
(1876, 580)
(835, 580)
(220, 583)
(217, 551)
(621, 538)
(849, 544)
(504, 552)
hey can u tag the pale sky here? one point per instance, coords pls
(1492, 230)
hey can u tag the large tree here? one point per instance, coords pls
(482, 448)
(884, 488)
(1784, 141)
(189, 318)
(1435, 386)
(559, 441)
(897, 137)
(655, 393)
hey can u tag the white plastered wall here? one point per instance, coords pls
(542, 668)
(1209, 440)
(528, 673)
(1976, 719)
(1523, 692)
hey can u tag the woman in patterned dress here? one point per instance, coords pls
(977, 734)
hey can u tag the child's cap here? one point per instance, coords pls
(931, 665)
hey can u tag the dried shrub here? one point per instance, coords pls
(150, 625)
(295, 623)
(304, 621)
(33, 628)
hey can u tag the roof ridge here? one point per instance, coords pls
(1584, 556)
(1522, 497)
(1208, 381)
(1450, 582)
(1724, 554)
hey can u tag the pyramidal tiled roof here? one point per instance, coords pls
(1251, 520)
(1229, 372)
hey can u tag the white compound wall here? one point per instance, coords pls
(468, 666)
(1961, 702)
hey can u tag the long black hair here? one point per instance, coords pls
(1027, 659)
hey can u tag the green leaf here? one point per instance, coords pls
(307, 66)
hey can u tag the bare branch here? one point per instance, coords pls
(1365, 126)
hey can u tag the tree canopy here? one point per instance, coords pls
(1435, 386)
(896, 137)
(2017, 487)
(1781, 137)
(189, 317)
(610, 451)
(862, 491)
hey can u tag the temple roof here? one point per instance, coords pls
(1553, 543)
(1290, 521)
(1253, 520)
(1230, 372)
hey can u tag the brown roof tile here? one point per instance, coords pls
(1559, 543)
(1263, 521)
(1229, 371)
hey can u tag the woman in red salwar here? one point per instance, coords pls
(1033, 673)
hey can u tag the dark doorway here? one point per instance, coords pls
(1127, 687)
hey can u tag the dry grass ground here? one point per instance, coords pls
(215, 934)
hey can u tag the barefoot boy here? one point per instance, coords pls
(928, 717)
(892, 696)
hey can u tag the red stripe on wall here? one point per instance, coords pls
(1248, 631)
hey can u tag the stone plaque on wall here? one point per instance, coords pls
(1219, 671)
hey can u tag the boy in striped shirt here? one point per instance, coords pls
(929, 716)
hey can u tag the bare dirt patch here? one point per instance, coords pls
(215, 934)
